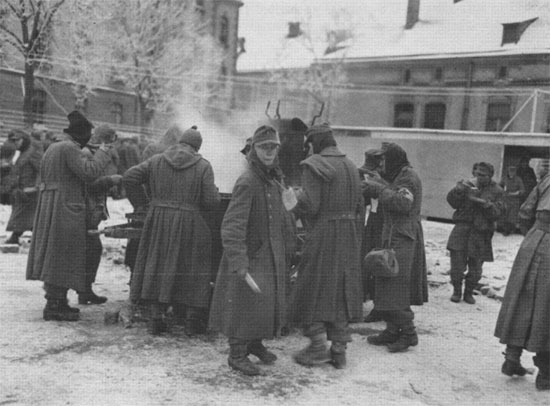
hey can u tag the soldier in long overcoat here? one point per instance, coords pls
(57, 254)
(96, 211)
(478, 204)
(401, 202)
(173, 264)
(23, 185)
(258, 239)
(524, 318)
(328, 293)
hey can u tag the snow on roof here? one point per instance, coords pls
(444, 29)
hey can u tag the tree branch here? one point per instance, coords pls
(16, 42)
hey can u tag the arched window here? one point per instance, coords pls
(39, 105)
(434, 115)
(224, 31)
(403, 115)
(116, 113)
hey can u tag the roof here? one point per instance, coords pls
(444, 29)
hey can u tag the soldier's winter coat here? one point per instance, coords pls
(58, 247)
(400, 203)
(258, 235)
(24, 174)
(174, 256)
(329, 276)
(524, 317)
(474, 224)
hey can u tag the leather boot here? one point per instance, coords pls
(257, 349)
(469, 296)
(407, 338)
(388, 336)
(58, 309)
(239, 361)
(338, 355)
(315, 353)
(542, 361)
(457, 292)
(89, 297)
(512, 365)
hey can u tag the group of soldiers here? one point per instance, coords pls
(253, 298)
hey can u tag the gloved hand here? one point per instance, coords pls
(289, 199)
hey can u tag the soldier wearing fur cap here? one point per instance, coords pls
(258, 238)
(328, 291)
(57, 254)
(173, 264)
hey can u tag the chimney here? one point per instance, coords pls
(294, 30)
(413, 10)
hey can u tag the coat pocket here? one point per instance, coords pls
(75, 208)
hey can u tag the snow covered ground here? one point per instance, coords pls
(457, 361)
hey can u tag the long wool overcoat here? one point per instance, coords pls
(329, 275)
(25, 174)
(57, 253)
(401, 203)
(524, 317)
(474, 224)
(173, 263)
(257, 235)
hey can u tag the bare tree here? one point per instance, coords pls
(321, 78)
(162, 50)
(26, 26)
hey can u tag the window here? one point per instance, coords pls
(502, 72)
(512, 32)
(116, 113)
(403, 116)
(39, 105)
(224, 31)
(407, 76)
(498, 114)
(438, 74)
(434, 115)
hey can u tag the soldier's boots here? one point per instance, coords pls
(338, 355)
(257, 349)
(239, 361)
(316, 353)
(469, 297)
(512, 365)
(407, 338)
(457, 293)
(59, 310)
(542, 361)
(389, 336)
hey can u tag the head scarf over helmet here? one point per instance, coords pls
(395, 160)
(320, 137)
